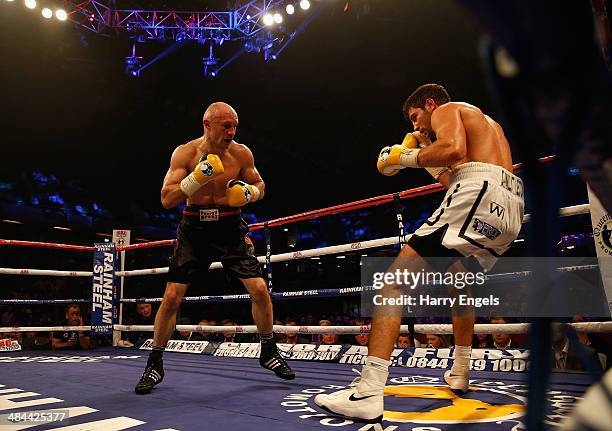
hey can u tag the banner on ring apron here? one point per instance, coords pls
(602, 232)
(104, 289)
(8, 345)
(181, 346)
(511, 360)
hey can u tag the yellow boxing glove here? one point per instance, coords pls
(392, 159)
(239, 193)
(410, 141)
(388, 156)
(204, 171)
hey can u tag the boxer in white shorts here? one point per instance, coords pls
(478, 219)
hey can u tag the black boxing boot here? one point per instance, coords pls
(153, 373)
(270, 358)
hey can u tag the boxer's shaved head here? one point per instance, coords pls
(219, 110)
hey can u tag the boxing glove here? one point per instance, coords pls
(204, 172)
(387, 156)
(239, 193)
(392, 159)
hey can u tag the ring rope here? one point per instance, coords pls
(481, 328)
(333, 292)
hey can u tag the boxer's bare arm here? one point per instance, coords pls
(249, 172)
(450, 146)
(171, 193)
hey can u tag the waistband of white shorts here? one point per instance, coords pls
(476, 171)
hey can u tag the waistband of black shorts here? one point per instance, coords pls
(205, 213)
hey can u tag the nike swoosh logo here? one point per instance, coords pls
(352, 397)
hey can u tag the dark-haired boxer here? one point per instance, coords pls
(479, 218)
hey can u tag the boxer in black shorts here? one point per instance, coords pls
(216, 176)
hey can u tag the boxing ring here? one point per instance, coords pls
(224, 386)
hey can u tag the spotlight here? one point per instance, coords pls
(47, 13)
(268, 19)
(30, 4)
(278, 18)
(133, 65)
(290, 9)
(305, 4)
(61, 14)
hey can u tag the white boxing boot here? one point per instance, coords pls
(363, 400)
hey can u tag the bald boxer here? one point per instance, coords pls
(479, 218)
(216, 176)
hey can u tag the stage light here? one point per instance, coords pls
(278, 18)
(268, 19)
(61, 14)
(290, 9)
(47, 13)
(30, 4)
(305, 4)
(132, 66)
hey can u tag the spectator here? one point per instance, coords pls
(566, 355)
(215, 336)
(328, 338)
(361, 339)
(294, 337)
(503, 341)
(482, 341)
(437, 341)
(602, 349)
(202, 336)
(228, 337)
(9, 318)
(72, 339)
(403, 341)
(144, 316)
(184, 335)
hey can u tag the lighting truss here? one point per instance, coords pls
(99, 17)
(244, 24)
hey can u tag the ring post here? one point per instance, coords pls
(121, 238)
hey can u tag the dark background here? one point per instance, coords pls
(315, 119)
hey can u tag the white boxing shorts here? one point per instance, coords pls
(480, 216)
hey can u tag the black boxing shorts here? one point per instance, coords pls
(206, 235)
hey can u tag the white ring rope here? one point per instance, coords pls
(48, 272)
(300, 254)
(486, 328)
(43, 328)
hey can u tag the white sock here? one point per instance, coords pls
(461, 364)
(374, 376)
